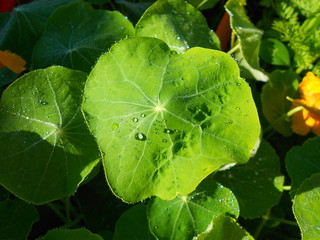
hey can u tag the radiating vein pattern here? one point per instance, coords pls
(164, 121)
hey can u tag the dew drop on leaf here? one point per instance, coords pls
(169, 131)
(135, 119)
(143, 115)
(115, 126)
(140, 136)
(42, 102)
(164, 140)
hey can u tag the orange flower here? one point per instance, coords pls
(12, 61)
(309, 117)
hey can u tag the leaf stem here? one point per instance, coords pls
(56, 210)
(284, 221)
(286, 188)
(264, 220)
(235, 48)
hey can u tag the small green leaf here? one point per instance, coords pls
(165, 121)
(72, 40)
(26, 23)
(274, 103)
(249, 37)
(306, 207)
(274, 52)
(186, 216)
(224, 228)
(46, 149)
(133, 225)
(16, 219)
(302, 162)
(256, 184)
(178, 24)
(71, 234)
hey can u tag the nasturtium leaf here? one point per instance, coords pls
(134, 10)
(203, 4)
(302, 162)
(25, 25)
(274, 52)
(72, 40)
(178, 24)
(133, 225)
(256, 184)
(249, 39)
(71, 234)
(275, 106)
(187, 216)
(46, 149)
(16, 219)
(164, 121)
(306, 207)
(224, 228)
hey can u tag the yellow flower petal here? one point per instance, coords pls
(12, 61)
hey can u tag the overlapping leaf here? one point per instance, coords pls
(164, 121)
(187, 216)
(46, 149)
(178, 24)
(306, 207)
(257, 184)
(71, 234)
(72, 40)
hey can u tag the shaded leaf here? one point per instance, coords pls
(256, 184)
(16, 219)
(203, 4)
(186, 216)
(46, 149)
(302, 162)
(249, 37)
(70, 234)
(133, 225)
(178, 24)
(274, 103)
(162, 125)
(72, 40)
(306, 207)
(274, 52)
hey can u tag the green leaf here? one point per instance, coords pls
(256, 184)
(203, 4)
(224, 228)
(178, 24)
(46, 149)
(71, 234)
(16, 219)
(133, 225)
(25, 26)
(72, 40)
(249, 37)
(306, 208)
(186, 216)
(165, 121)
(302, 162)
(274, 103)
(274, 52)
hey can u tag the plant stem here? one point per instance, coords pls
(56, 210)
(264, 220)
(235, 48)
(286, 188)
(284, 221)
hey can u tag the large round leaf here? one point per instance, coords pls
(164, 121)
(77, 34)
(186, 216)
(306, 208)
(46, 149)
(177, 23)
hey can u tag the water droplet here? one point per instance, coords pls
(42, 102)
(143, 115)
(115, 126)
(135, 119)
(169, 131)
(238, 84)
(155, 227)
(164, 140)
(140, 136)
(237, 108)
